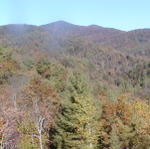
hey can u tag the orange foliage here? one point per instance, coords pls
(40, 90)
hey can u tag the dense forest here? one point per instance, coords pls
(64, 86)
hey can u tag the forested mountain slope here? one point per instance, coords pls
(109, 50)
(64, 86)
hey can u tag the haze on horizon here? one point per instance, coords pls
(123, 15)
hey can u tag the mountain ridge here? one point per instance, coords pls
(58, 34)
(65, 22)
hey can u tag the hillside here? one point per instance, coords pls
(107, 48)
(65, 86)
(54, 35)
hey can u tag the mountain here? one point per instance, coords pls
(52, 36)
(60, 75)
(61, 29)
(106, 48)
(26, 37)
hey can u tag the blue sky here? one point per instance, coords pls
(120, 14)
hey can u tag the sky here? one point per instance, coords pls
(119, 14)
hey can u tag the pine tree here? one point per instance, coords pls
(76, 124)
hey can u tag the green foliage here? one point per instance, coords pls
(28, 62)
(8, 66)
(76, 124)
(27, 129)
(54, 72)
(26, 143)
(29, 134)
(114, 138)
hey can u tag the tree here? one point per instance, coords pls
(116, 131)
(114, 141)
(32, 134)
(54, 72)
(40, 100)
(76, 125)
(141, 124)
(8, 66)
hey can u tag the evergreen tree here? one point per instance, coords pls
(76, 124)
